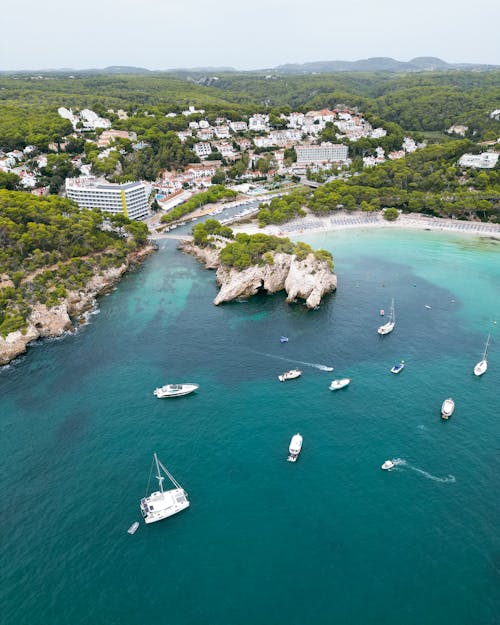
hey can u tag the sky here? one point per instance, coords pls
(244, 34)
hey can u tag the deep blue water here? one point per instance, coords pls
(331, 539)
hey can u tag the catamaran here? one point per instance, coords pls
(163, 503)
(389, 326)
(482, 365)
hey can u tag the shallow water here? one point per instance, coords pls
(329, 539)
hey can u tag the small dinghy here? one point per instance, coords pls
(399, 367)
(388, 465)
(133, 528)
(382, 312)
(284, 339)
(338, 384)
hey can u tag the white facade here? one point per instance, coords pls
(486, 160)
(129, 199)
(258, 122)
(324, 153)
(238, 126)
(202, 150)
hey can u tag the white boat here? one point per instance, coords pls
(447, 408)
(389, 326)
(163, 503)
(382, 312)
(388, 465)
(174, 390)
(335, 385)
(294, 448)
(482, 365)
(399, 367)
(133, 528)
(290, 375)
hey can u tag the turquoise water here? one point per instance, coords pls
(331, 539)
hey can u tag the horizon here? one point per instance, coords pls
(156, 35)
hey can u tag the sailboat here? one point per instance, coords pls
(389, 326)
(482, 365)
(163, 503)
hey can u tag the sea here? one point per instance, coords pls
(329, 539)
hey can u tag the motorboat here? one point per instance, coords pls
(447, 408)
(335, 385)
(382, 312)
(175, 390)
(162, 504)
(388, 465)
(290, 375)
(398, 367)
(482, 365)
(283, 339)
(294, 448)
(427, 306)
(133, 528)
(389, 326)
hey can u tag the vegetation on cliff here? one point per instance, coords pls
(49, 246)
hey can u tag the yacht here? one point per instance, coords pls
(482, 365)
(294, 448)
(175, 390)
(290, 375)
(398, 367)
(447, 408)
(389, 326)
(388, 465)
(335, 385)
(163, 503)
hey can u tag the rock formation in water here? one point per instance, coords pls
(46, 322)
(308, 279)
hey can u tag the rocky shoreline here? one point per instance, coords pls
(55, 321)
(308, 279)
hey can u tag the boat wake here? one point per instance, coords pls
(315, 365)
(444, 480)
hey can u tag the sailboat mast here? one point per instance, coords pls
(159, 475)
(393, 314)
(486, 347)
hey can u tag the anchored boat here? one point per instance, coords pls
(482, 365)
(163, 503)
(290, 375)
(335, 385)
(294, 448)
(399, 367)
(175, 390)
(389, 326)
(447, 408)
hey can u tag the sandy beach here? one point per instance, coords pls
(341, 221)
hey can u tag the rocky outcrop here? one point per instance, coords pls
(307, 279)
(55, 321)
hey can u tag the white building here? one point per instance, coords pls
(193, 111)
(486, 160)
(91, 120)
(129, 199)
(202, 150)
(238, 126)
(324, 153)
(222, 132)
(258, 122)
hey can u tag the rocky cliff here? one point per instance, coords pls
(308, 279)
(55, 321)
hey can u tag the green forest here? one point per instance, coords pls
(48, 246)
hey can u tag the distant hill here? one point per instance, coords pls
(377, 64)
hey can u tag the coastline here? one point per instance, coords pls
(344, 221)
(72, 311)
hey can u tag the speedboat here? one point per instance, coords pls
(283, 339)
(482, 365)
(294, 448)
(447, 408)
(290, 375)
(338, 384)
(388, 465)
(399, 367)
(175, 390)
